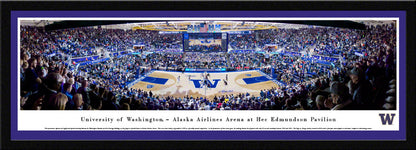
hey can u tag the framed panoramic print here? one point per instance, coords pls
(159, 75)
(201, 72)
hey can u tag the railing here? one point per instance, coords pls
(94, 58)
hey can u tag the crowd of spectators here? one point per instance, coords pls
(208, 60)
(358, 82)
(317, 40)
(34, 41)
(352, 82)
(242, 41)
(87, 41)
(164, 41)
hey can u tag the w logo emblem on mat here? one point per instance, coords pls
(149, 86)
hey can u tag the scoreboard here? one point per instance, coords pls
(205, 42)
(204, 28)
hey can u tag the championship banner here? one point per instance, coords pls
(204, 28)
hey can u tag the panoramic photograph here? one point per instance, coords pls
(207, 64)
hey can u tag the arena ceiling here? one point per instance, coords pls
(38, 23)
(163, 25)
(225, 25)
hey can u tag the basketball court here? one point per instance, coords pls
(178, 84)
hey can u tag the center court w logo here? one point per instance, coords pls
(387, 118)
(198, 84)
